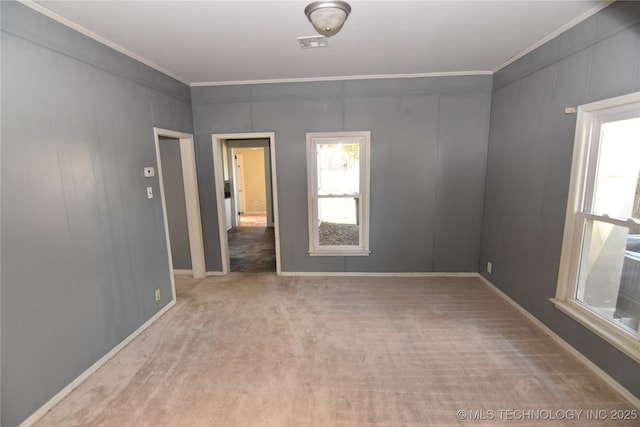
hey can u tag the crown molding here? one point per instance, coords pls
(64, 21)
(343, 78)
(555, 34)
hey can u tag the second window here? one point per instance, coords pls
(338, 189)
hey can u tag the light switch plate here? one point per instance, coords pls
(149, 172)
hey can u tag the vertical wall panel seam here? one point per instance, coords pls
(436, 185)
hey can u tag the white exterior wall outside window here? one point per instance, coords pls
(599, 280)
(338, 193)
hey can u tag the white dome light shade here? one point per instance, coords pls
(327, 17)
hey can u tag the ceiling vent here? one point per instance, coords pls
(313, 42)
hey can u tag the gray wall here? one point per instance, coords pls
(175, 202)
(529, 165)
(428, 157)
(83, 249)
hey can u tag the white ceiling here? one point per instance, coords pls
(223, 42)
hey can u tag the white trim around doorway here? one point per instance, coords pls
(192, 200)
(217, 140)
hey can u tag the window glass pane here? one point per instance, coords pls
(610, 272)
(338, 219)
(617, 186)
(338, 168)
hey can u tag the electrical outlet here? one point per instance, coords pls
(157, 294)
(489, 266)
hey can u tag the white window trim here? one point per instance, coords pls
(589, 118)
(363, 248)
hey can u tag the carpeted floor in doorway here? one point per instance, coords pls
(262, 350)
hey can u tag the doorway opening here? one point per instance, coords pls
(176, 152)
(246, 195)
(250, 183)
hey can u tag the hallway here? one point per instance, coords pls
(252, 246)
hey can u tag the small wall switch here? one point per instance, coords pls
(157, 294)
(149, 192)
(149, 172)
(570, 110)
(489, 267)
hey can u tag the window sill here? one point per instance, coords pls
(624, 341)
(335, 252)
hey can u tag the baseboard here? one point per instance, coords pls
(374, 274)
(93, 368)
(626, 394)
(182, 272)
(214, 273)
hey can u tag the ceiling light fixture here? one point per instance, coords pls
(327, 17)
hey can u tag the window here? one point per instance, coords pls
(338, 190)
(599, 280)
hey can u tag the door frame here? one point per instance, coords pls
(218, 168)
(192, 200)
(238, 185)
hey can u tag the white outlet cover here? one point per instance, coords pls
(149, 172)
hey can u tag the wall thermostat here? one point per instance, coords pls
(149, 172)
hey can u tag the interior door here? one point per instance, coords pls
(239, 180)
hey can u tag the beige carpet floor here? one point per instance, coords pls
(261, 350)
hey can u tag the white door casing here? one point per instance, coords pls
(217, 142)
(192, 200)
